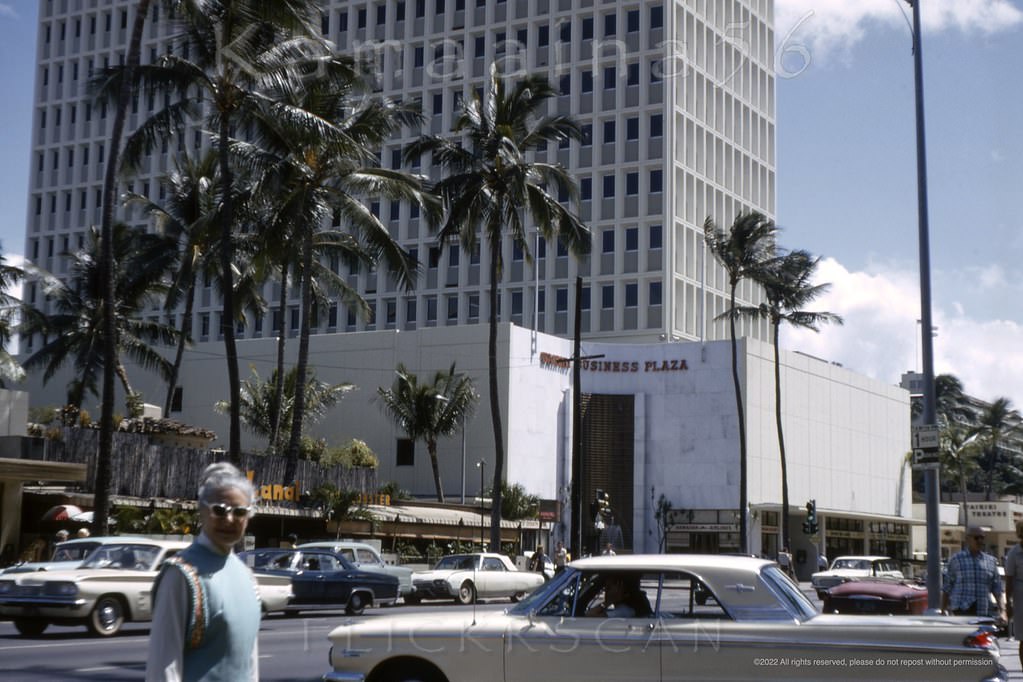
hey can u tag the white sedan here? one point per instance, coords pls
(755, 624)
(846, 568)
(113, 586)
(468, 577)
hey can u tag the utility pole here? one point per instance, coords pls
(930, 416)
(577, 426)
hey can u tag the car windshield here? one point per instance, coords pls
(855, 564)
(267, 559)
(457, 562)
(75, 551)
(126, 557)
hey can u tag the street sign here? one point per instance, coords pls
(926, 437)
(925, 459)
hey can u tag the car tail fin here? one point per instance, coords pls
(984, 638)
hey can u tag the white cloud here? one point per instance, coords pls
(7, 11)
(881, 338)
(826, 26)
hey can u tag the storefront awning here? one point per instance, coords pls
(34, 470)
(843, 513)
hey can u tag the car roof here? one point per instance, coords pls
(868, 557)
(647, 562)
(349, 544)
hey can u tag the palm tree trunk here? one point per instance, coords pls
(101, 502)
(962, 491)
(495, 402)
(227, 292)
(431, 447)
(275, 418)
(781, 441)
(186, 334)
(298, 408)
(122, 374)
(743, 473)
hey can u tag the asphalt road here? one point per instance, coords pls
(291, 649)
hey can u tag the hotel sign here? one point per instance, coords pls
(551, 361)
(275, 492)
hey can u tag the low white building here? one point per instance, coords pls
(660, 419)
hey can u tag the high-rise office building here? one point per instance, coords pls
(677, 103)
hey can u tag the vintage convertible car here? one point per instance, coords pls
(112, 586)
(755, 625)
(845, 568)
(322, 580)
(364, 556)
(467, 577)
(889, 596)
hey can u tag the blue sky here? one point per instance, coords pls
(846, 176)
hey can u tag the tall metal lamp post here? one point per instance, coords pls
(481, 465)
(930, 415)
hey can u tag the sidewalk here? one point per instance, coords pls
(1010, 658)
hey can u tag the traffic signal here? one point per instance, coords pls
(810, 526)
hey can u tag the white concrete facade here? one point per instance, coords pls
(846, 435)
(676, 98)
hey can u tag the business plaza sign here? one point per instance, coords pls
(557, 362)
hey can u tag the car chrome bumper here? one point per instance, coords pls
(40, 602)
(1001, 676)
(343, 677)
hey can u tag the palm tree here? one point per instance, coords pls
(317, 156)
(10, 275)
(743, 251)
(75, 331)
(788, 287)
(490, 189)
(960, 447)
(997, 422)
(428, 411)
(240, 48)
(189, 216)
(951, 404)
(120, 91)
(259, 402)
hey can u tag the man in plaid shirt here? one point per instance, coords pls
(971, 580)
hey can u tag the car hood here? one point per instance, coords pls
(48, 566)
(436, 575)
(77, 575)
(428, 624)
(881, 588)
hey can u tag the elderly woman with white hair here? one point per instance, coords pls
(206, 609)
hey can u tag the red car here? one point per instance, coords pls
(876, 596)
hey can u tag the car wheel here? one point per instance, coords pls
(467, 593)
(517, 596)
(356, 604)
(30, 627)
(107, 616)
(411, 599)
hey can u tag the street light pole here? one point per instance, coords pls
(463, 458)
(930, 416)
(481, 465)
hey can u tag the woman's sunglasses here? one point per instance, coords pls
(221, 511)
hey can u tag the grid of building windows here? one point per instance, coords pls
(676, 99)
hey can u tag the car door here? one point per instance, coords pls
(555, 642)
(491, 579)
(337, 580)
(308, 580)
